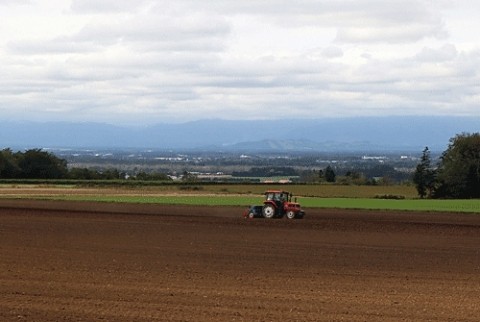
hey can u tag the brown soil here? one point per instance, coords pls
(62, 261)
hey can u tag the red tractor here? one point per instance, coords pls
(277, 203)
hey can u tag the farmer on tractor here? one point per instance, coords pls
(277, 203)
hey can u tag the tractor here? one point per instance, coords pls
(277, 204)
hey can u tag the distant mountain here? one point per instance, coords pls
(331, 134)
(303, 146)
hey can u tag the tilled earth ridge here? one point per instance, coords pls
(77, 261)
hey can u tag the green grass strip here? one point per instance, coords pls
(172, 200)
(470, 206)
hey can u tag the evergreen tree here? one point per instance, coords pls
(424, 177)
(330, 175)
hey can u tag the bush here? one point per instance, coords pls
(190, 188)
(387, 196)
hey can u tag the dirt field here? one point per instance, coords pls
(108, 262)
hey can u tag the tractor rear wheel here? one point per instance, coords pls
(290, 214)
(268, 211)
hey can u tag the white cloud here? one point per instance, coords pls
(144, 61)
(107, 6)
(14, 2)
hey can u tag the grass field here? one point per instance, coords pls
(310, 196)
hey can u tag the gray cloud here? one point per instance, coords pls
(447, 52)
(356, 20)
(332, 52)
(395, 34)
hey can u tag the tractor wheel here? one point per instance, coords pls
(251, 215)
(290, 214)
(268, 211)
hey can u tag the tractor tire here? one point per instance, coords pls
(290, 214)
(251, 215)
(268, 211)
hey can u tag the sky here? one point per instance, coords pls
(145, 62)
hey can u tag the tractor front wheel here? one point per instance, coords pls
(290, 214)
(268, 211)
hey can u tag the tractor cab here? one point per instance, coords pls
(278, 197)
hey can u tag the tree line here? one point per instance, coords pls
(38, 164)
(457, 175)
(31, 164)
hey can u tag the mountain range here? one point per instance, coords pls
(411, 133)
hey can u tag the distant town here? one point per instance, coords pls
(257, 167)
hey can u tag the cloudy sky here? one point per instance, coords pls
(143, 61)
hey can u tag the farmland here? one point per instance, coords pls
(310, 196)
(184, 253)
(303, 190)
(90, 261)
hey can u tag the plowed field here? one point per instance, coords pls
(64, 261)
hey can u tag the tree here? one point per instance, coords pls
(424, 176)
(355, 177)
(459, 168)
(189, 177)
(154, 176)
(83, 174)
(112, 174)
(329, 174)
(38, 164)
(9, 164)
(320, 176)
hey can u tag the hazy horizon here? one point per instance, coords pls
(367, 133)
